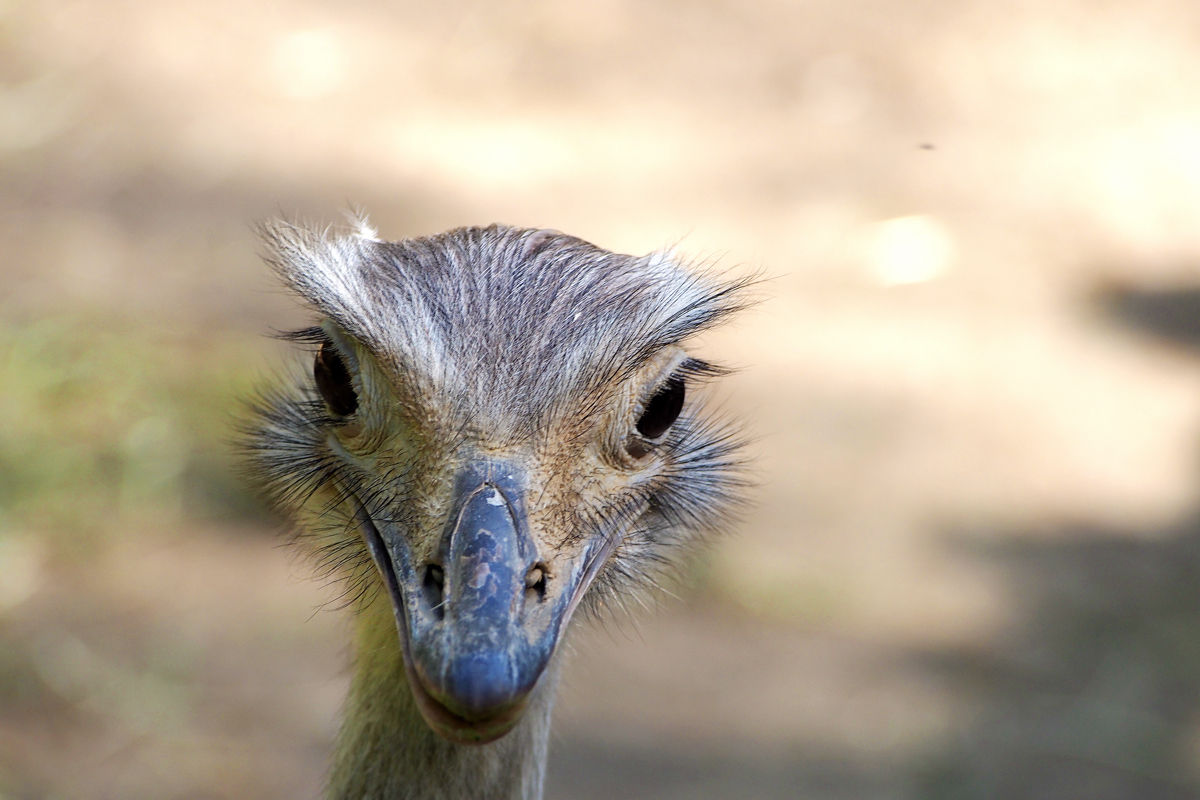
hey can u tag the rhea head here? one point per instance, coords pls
(499, 427)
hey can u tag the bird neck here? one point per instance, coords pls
(386, 750)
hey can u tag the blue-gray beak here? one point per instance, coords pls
(480, 621)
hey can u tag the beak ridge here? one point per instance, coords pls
(479, 660)
(477, 638)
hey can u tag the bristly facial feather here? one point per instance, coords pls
(500, 340)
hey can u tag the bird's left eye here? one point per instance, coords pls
(333, 381)
(662, 409)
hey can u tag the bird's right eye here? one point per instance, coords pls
(333, 381)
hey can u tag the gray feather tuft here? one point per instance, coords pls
(505, 321)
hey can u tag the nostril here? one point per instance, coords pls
(434, 586)
(535, 581)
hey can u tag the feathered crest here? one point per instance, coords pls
(513, 317)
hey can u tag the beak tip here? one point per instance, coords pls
(481, 685)
(476, 702)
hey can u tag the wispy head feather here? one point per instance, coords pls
(517, 315)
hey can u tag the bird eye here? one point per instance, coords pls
(333, 381)
(662, 409)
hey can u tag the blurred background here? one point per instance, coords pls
(973, 570)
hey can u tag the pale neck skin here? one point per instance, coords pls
(386, 751)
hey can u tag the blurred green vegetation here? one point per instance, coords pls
(107, 424)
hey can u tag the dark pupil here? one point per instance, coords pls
(662, 410)
(333, 381)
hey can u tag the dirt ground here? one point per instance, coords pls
(973, 565)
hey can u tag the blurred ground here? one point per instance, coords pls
(974, 567)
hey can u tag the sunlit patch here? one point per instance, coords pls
(497, 153)
(21, 562)
(836, 90)
(1144, 180)
(907, 250)
(306, 65)
(492, 152)
(33, 113)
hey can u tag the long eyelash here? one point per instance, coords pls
(698, 368)
(314, 335)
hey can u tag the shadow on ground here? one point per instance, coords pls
(1171, 315)
(1096, 692)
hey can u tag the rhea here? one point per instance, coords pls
(498, 433)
